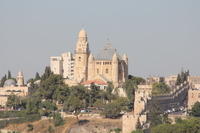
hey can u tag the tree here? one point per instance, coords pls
(61, 93)
(13, 101)
(49, 85)
(113, 109)
(9, 75)
(94, 94)
(160, 88)
(99, 104)
(191, 125)
(182, 77)
(48, 108)
(73, 103)
(47, 73)
(37, 76)
(155, 115)
(3, 79)
(196, 110)
(33, 106)
(130, 85)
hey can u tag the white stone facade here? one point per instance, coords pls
(82, 66)
(56, 65)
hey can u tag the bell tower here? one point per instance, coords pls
(20, 79)
(81, 57)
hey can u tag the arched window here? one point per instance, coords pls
(79, 58)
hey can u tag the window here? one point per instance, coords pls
(106, 70)
(79, 58)
(199, 95)
(97, 70)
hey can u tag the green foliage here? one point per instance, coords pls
(155, 115)
(138, 131)
(9, 75)
(47, 108)
(13, 101)
(186, 126)
(116, 130)
(33, 106)
(99, 103)
(11, 114)
(113, 109)
(3, 79)
(47, 73)
(57, 119)
(73, 104)
(61, 93)
(182, 77)
(160, 88)
(37, 76)
(49, 85)
(131, 84)
(195, 110)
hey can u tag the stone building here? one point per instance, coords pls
(107, 66)
(63, 65)
(194, 91)
(139, 114)
(12, 87)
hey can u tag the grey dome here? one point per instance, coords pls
(107, 53)
(9, 83)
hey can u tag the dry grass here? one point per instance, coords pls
(42, 126)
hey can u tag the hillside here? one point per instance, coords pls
(71, 126)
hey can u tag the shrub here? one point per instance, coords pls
(58, 120)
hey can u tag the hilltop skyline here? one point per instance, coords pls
(152, 34)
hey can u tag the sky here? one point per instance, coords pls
(160, 37)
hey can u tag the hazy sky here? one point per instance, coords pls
(159, 36)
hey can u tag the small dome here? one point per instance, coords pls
(82, 33)
(9, 83)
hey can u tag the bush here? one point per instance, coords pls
(196, 110)
(58, 120)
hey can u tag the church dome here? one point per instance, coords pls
(9, 83)
(82, 33)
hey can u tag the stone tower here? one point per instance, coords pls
(20, 79)
(125, 76)
(115, 69)
(81, 57)
(91, 67)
